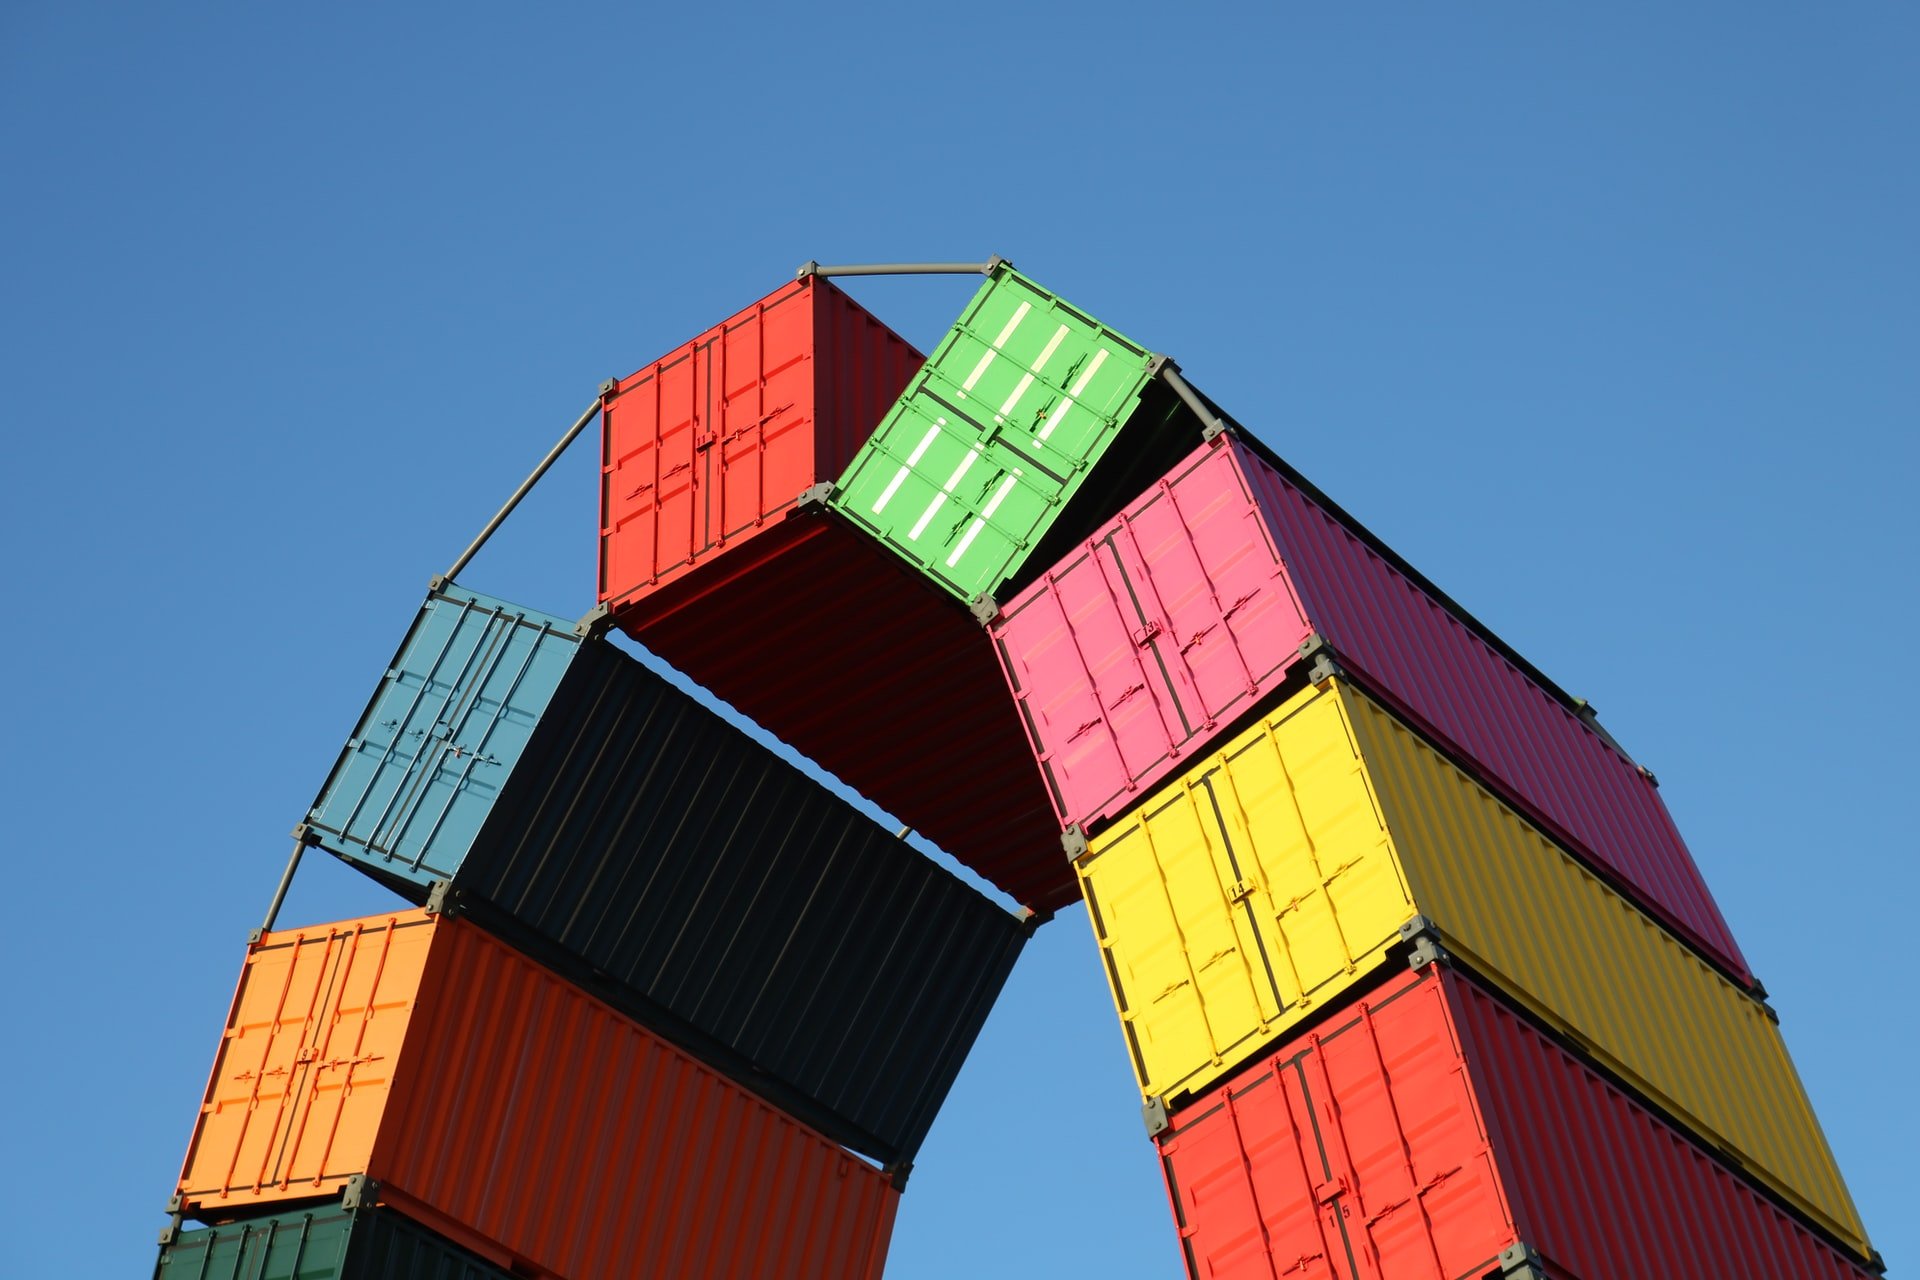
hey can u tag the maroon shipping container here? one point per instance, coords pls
(1134, 653)
(1431, 1133)
(841, 649)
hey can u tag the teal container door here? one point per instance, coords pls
(446, 726)
(975, 461)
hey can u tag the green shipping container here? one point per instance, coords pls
(327, 1243)
(991, 461)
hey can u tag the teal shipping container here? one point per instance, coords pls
(1031, 423)
(327, 1243)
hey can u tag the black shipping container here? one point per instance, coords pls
(632, 840)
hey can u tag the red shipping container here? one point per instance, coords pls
(1431, 1133)
(711, 559)
(706, 446)
(486, 1098)
(1135, 653)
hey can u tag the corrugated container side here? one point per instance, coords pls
(1279, 870)
(702, 884)
(643, 846)
(1550, 932)
(330, 1243)
(1010, 420)
(707, 445)
(1564, 1134)
(1433, 669)
(480, 1091)
(836, 647)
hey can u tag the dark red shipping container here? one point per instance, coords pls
(708, 445)
(1429, 1132)
(840, 648)
(1135, 652)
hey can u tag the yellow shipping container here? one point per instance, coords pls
(1279, 871)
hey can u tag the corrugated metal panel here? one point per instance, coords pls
(1551, 933)
(476, 1088)
(1281, 866)
(1692, 1215)
(1176, 616)
(997, 434)
(836, 647)
(645, 847)
(704, 447)
(1429, 1129)
(1436, 671)
(331, 1243)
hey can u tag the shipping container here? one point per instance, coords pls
(1030, 424)
(505, 1108)
(710, 444)
(579, 806)
(838, 648)
(1430, 1132)
(1270, 880)
(1180, 614)
(368, 1242)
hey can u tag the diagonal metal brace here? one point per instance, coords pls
(903, 268)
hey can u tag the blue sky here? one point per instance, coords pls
(1606, 320)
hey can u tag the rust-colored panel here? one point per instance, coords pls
(837, 647)
(706, 446)
(508, 1109)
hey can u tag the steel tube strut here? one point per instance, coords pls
(1208, 418)
(903, 268)
(500, 517)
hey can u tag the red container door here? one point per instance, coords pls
(708, 445)
(1374, 1129)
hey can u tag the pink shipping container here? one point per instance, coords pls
(1431, 1133)
(1199, 601)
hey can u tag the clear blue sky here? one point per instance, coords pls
(1606, 319)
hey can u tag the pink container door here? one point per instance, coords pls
(1133, 654)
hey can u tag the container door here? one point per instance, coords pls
(972, 465)
(1243, 1169)
(449, 720)
(1079, 654)
(1229, 620)
(1259, 885)
(652, 502)
(301, 1081)
(1193, 983)
(1415, 1194)
(758, 452)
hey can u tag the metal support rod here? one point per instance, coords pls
(1191, 398)
(553, 455)
(902, 269)
(286, 880)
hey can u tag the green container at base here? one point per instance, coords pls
(326, 1243)
(1002, 451)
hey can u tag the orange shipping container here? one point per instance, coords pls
(510, 1110)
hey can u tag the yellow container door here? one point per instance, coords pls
(1241, 897)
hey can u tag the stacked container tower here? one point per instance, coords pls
(1416, 976)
